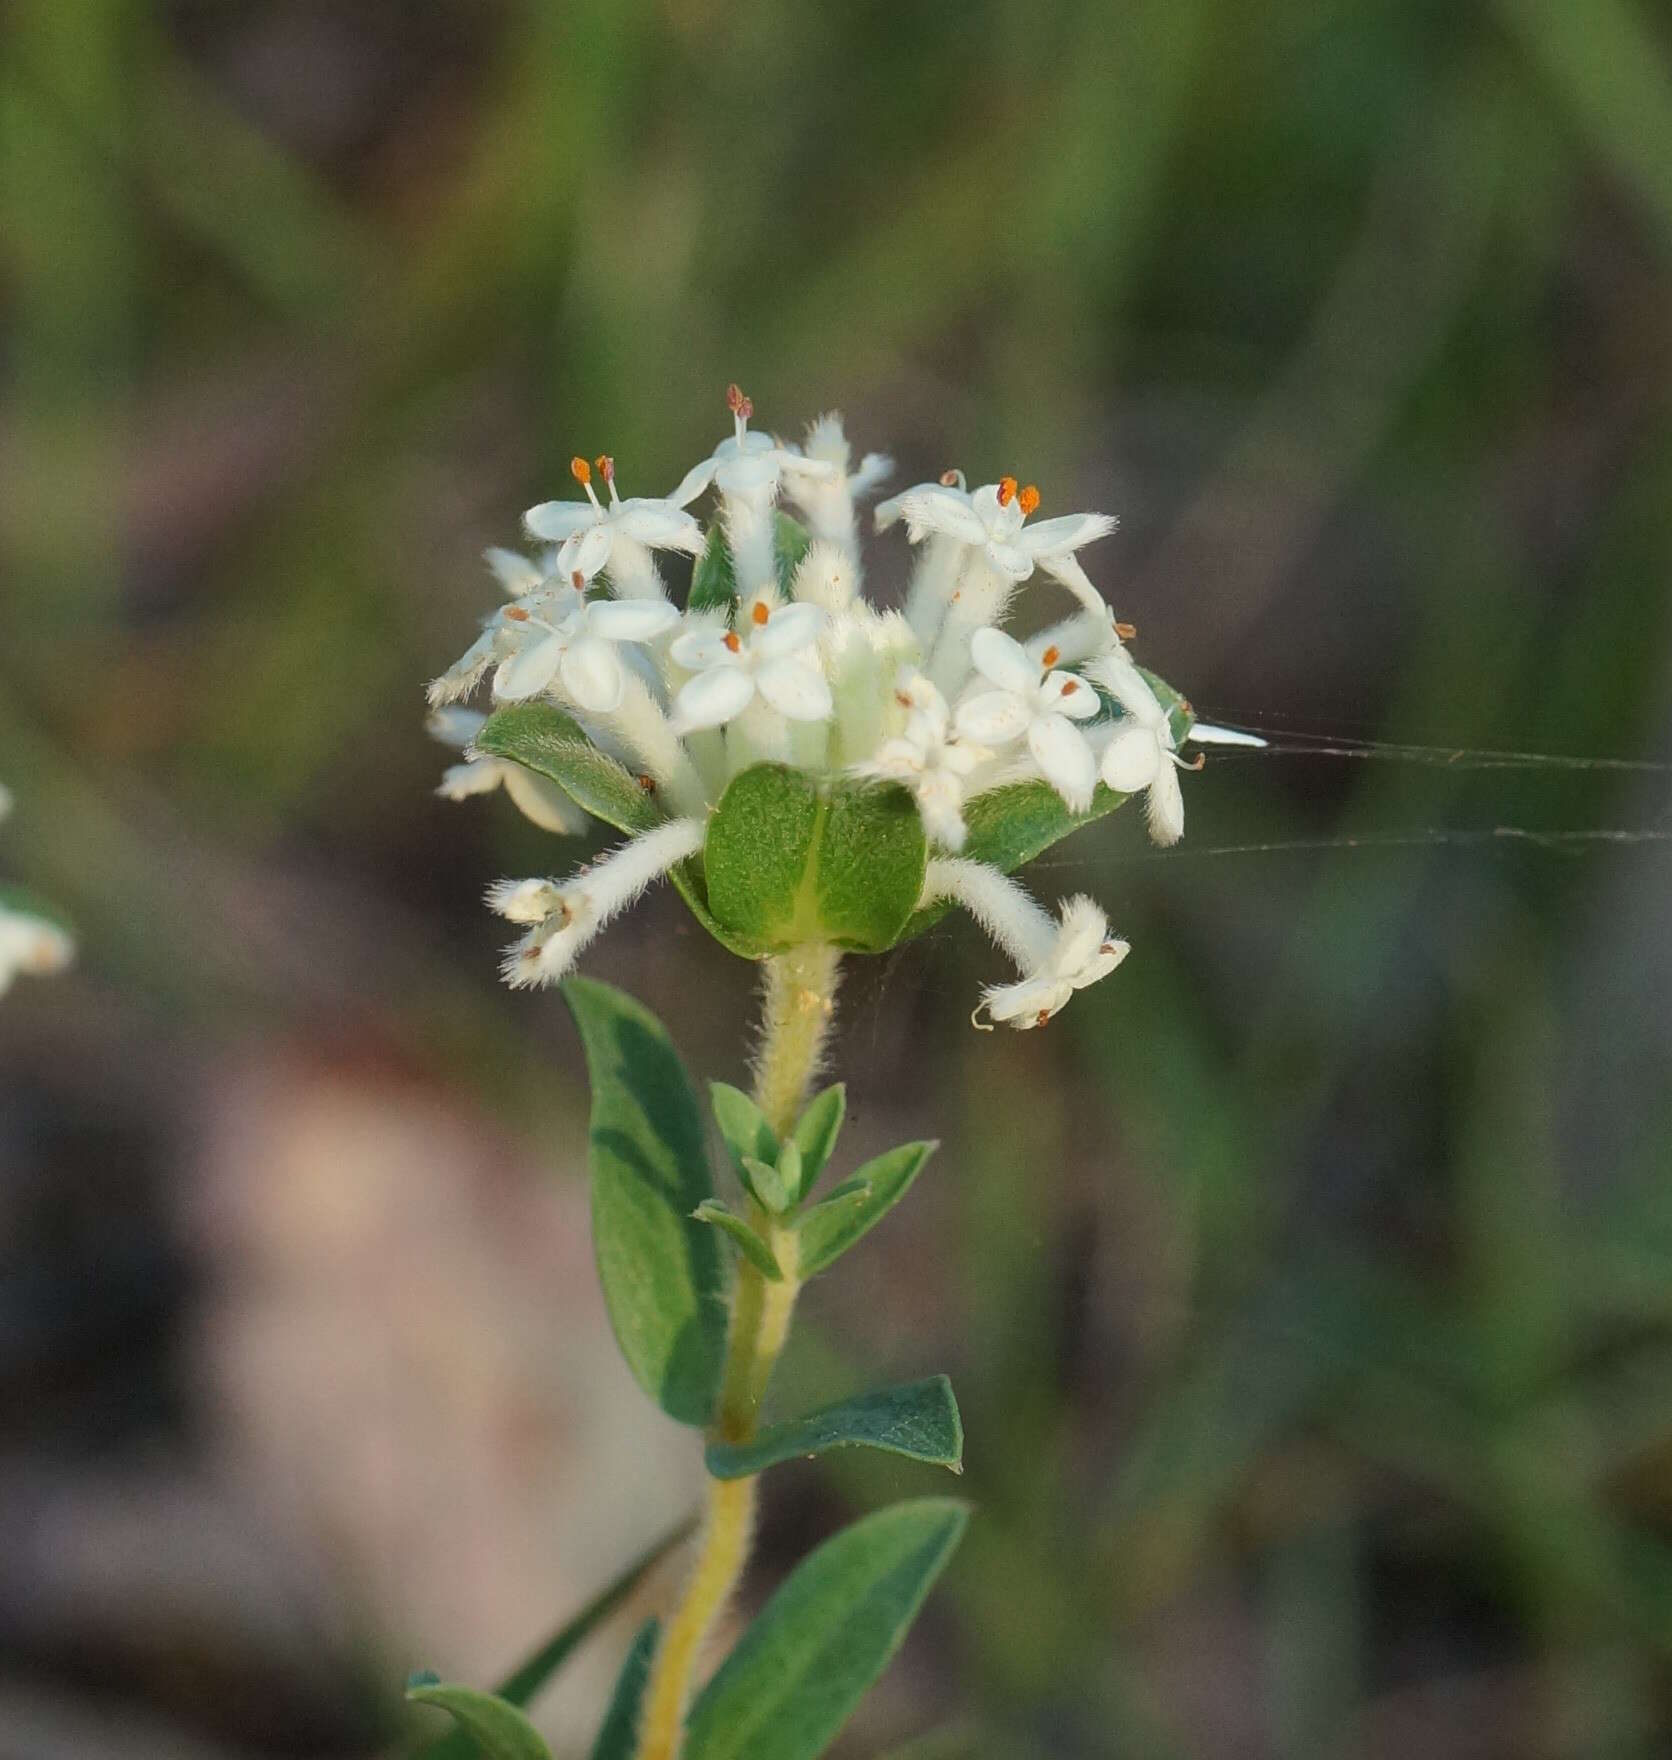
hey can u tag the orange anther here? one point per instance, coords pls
(578, 581)
(605, 466)
(731, 640)
(1051, 656)
(736, 402)
(516, 614)
(949, 479)
(1042, 1017)
(1128, 632)
(1007, 491)
(647, 783)
(1028, 501)
(1070, 686)
(760, 611)
(580, 470)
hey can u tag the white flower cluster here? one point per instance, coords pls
(805, 671)
(29, 941)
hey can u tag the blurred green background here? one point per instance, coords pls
(1308, 1288)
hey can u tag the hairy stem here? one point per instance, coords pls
(796, 1010)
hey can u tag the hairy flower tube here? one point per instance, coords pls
(801, 763)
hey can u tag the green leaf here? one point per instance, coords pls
(919, 1421)
(742, 1125)
(531, 1674)
(619, 1730)
(714, 578)
(830, 1228)
(766, 1184)
(818, 1644)
(792, 859)
(541, 738)
(1008, 827)
(498, 1728)
(816, 1131)
(750, 1244)
(663, 1278)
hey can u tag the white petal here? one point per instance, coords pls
(692, 484)
(934, 509)
(1131, 759)
(1003, 661)
(698, 649)
(1060, 750)
(1108, 955)
(660, 525)
(994, 718)
(480, 776)
(795, 689)
(1027, 1004)
(1166, 806)
(1126, 684)
(630, 620)
(585, 552)
(940, 803)
(1068, 533)
(748, 475)
(543, 801)
(1204, 733)
(1084, 929)
(1069, 696)
(530, 670)
(556, 520)
(592, 674)
(454, 726)
(1010, 560)
(874, 468)
(514, 572)
(713, 697)
(787, 630)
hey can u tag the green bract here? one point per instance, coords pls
(920, 1421)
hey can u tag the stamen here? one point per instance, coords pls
(605, 466)
(515, 614)
(1028, 501)
(740, 406)
(1007, 491)
(1128, 632)
(578, 581)
(1042, 1017)
(760, 611)
(580, 470)
(1070, 686)
(952, 479)
(1050, 657)
(731, 640)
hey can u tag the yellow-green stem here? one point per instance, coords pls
(796, 1010)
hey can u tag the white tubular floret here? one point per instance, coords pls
(1054, 958)
(566, 918)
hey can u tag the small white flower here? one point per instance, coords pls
(31, 944)
(1037, 703)
(992, 519)
(1141, 753)
(929, 759)
(578, 648)
(588, 533)
(774, 660)
(748, 465)
(1081, 952)
(827, 502)
(536, 797)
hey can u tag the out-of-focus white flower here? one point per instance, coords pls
(929, 759)
(827, 502)
(588, 533)
(1141, 753)
(535, 796)
(1033, 701)
(1081, 951)
(578, 648)
(31, 943)
(992, 520)
(776, 660)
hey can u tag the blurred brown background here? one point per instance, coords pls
(1308, 1288)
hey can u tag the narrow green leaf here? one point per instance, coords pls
(498, 1728)
(816, 1131)
(750, 1244)
(830, 1228)
(713, 579)
(533, 1672)
(541, 738)
(790, 542)
(919, 1421)
(664, 1282)
(766, 1184)
(619, 1730)
(790, 859)
(819, 1643)
(742, 1124)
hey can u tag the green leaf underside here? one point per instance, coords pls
(530, 1675)
(792, 859)
(497, 1728)
(831, 1227)
(824, 1637)
(619, 1730)
(750, 1244)
(816, 1131)
(919, 1421)
(714, 579)
(662, 1272)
